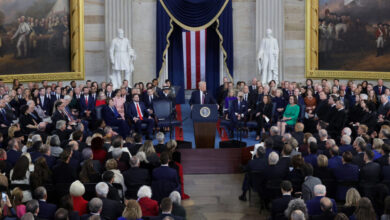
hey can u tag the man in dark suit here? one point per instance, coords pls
(86, 103)
(95, 207)
(384, 107)
(164, 179)
(346, 172)
(337, 120)
(335, 159)
(201, 96)
(14, 153)
(370, 173)
(380, 88)
(108, 178)
(280, 204)
(359, 146)
(166, 211)
(253, 88)
(109, 91)
(298, 133)
(5, 121)
(345, 144)
(114, 119)
(56, 96)
(111, 209)
(276, 138)
(313, 205)
(138, 114)
(326, 205)
(46, 210)
(238, 112)
(135, 177)
(44, 101)
(274, 171)
(59, 113)
(148, 99)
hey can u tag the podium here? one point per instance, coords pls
(205, 119)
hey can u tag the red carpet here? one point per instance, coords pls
(222, 131)
(179, 129)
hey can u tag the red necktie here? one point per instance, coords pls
(139, 112)
(86, 100)
(380, 90)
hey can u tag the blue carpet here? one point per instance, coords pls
(188, 130)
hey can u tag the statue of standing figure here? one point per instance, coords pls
(122, 58)
(268, 59)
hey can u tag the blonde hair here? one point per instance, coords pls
(322, 161)
(111, 164)
(377, 143)
(148, 148)
(352, 197)
(16, 197)
(171, 145)
(11, 131)
(132, 210)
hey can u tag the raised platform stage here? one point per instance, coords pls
(214, 161)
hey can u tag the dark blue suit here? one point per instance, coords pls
(345, 148)
(235, 110)
(148, 103)
(50, 160)
(312, 159)
(46, 105)
(46, 210)
(346, 172)
(335, 162)
(195, 98)
(376, 89)
(164, 181)
(84, 106)
(131, 112)
(13, 156)
(314, 206)
(112, 118)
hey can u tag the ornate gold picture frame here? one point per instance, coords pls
(76, 44)
(312, 51)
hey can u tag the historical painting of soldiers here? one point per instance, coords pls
(354, 35)
(34, 36)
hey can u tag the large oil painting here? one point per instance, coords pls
(354, 35)
(35, 37)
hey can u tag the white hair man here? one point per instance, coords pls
(201, 96)
(345, 144)
(314, 205)
(111, 209)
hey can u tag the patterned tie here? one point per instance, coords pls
(86, 100)
(139, 112)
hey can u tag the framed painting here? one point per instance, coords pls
(348, 39)
(41, 40)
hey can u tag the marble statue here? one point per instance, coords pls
(267, 59)
(122, 57)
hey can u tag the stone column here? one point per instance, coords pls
(270, 14)
(118, 14)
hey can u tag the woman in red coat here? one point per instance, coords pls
(99, 153)
(77, 191)
(149, 206)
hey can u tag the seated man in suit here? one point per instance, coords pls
(166, 211)
(114, 119)
(201, 96)
(280, 204)
(14, 153)
(384, 108)
(111, 209)
(86, 103)
(138, 114)
(164, 179)
(46, 210)
(313, 205)
(44, 101)
(237, 113)
(148, 99)
(345, 172)
(95, 207)
(135, 177)
(370, 173)
(5, 121)
(327, 210)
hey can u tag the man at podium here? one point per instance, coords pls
(201, 96)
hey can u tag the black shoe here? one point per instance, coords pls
(242, 198)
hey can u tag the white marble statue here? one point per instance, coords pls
(267, 59)
(122, 57)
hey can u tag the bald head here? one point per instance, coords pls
(326, 204)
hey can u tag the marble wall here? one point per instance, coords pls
(143, 27)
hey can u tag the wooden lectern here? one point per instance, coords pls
(205, 119)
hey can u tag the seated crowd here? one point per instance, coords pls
(86, 152)
(327, 158)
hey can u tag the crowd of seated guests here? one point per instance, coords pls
(80, 152)
(337, 150)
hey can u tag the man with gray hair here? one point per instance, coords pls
(160, 147)
(111, 209)
(32, 207)
(177, 209)
(46, 210)
(135, 176)
(277, 139)
(45, 150)
(61, 130)
(88, 155)
(345, 144)
(323, 135)
(314, 205)
(95, 208)
(359, 146)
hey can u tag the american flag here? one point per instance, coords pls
(194, 57)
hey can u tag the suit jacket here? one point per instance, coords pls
(111, 95)
(4, 119)
(337, 121)
(134, 178)
(324, 216)
(46, 210)
(346, 172)
(164, 181)
(236, 109)
(358, 159)
(299, 136)
(195, 98)
(64, 173)
(13, 156)
(162, 216)
(111, 209)
(344, 148)
(46, 105)
(308, 187)
(57, 116)
(87, 216)
(335, 162)
(275, 172)
(86, 106)
(109, 115)
(376, 89)
(253, 89)
(257, 164)
(149, 103)
(113, 193)
(131, 111)
(370, 173)
(314, 206)
(54, 98)
(384, 109)
(278, 207)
